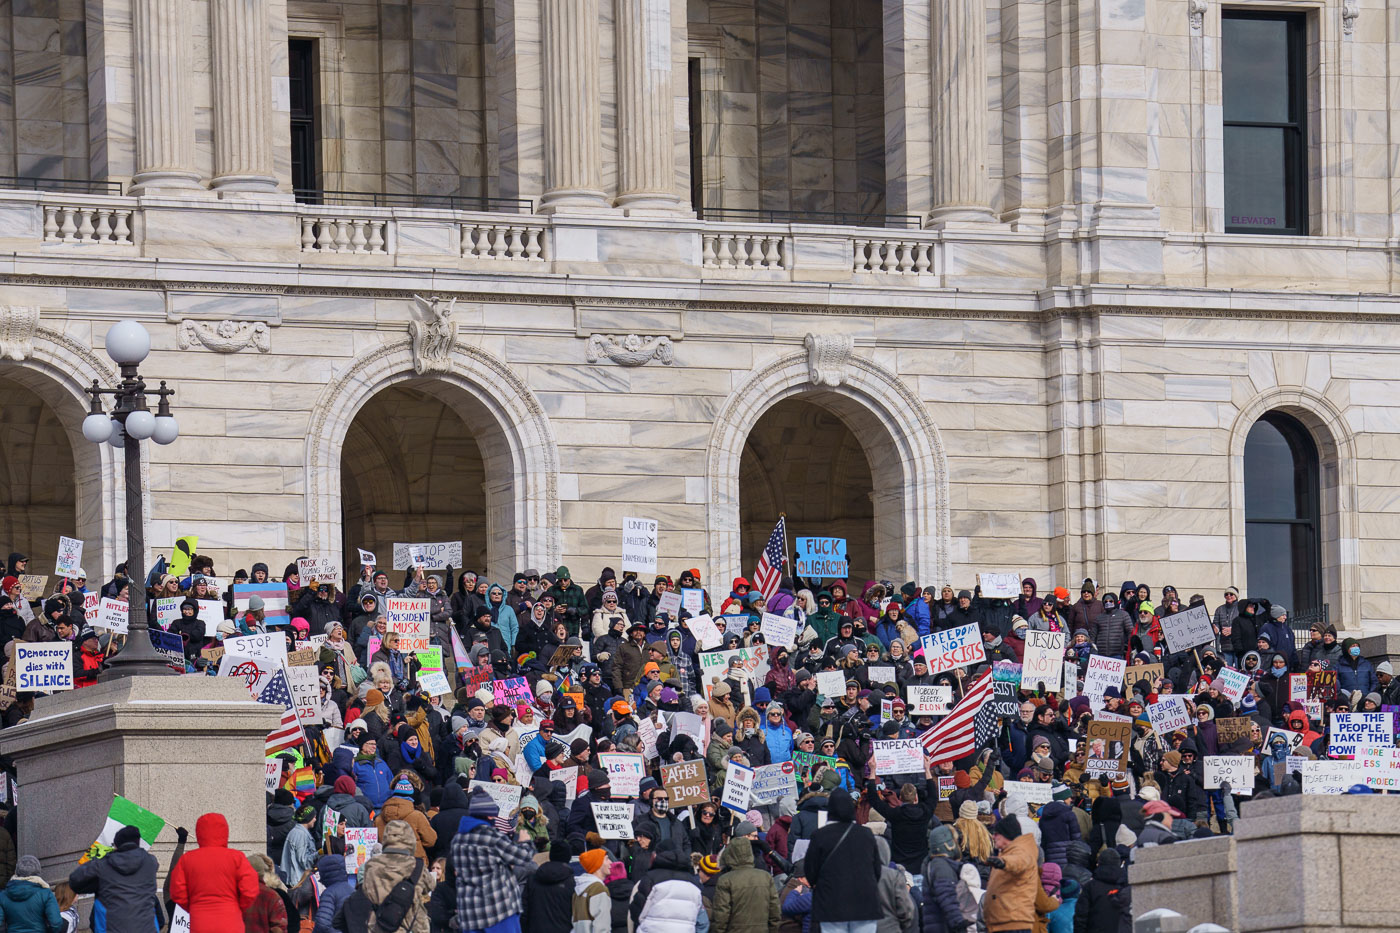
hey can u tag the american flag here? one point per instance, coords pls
(277, 692)
(289, 733)
(970, 723)
(770, 563)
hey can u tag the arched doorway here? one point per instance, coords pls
(423, 460)
(1283, 513)
(801, 459)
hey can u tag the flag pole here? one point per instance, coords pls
(792, 566)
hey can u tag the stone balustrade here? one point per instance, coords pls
(893, 255)
(72, 221)
(505, 240)
(346, 234)
(745, 249)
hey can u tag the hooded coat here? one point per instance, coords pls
(844, 865)
(941, 911)
(1011, 892)
(548, 902)
(401, 808)
(395, 863)
(336, 889)
(897, 911)
(214, 883)
(485, 861)
(667, 899)
(1058, 828)
(745, 900)
(28, 906)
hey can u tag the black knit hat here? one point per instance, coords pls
(1007, 826)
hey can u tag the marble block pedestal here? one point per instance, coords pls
(178, 746)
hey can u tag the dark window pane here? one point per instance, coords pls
(1254, 65)
(1269, 490)
(1281, 502)
(1256, 178)
(1269, 556)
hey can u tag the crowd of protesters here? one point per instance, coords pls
(956, 847)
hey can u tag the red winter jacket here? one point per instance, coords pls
(214, 883)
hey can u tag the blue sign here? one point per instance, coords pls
(822, 558)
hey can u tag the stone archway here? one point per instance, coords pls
(907, 461)
(511, 429)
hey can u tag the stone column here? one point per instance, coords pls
(164, 112)
(646, 157)
(573, 147)
(961, 190)
(242, 96)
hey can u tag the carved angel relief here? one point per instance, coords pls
(434, 336)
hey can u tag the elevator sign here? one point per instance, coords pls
(822, 557)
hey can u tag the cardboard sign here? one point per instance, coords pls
(1108, 748)
(1355, 730)
(266, 646)
(505, 796)
(1136, 672)
(954, 648)
(999, 585)
(929, 700)
(111, 615)
(686, 782)
(411, 620)
(778, 630)
(1168, 715)
(318, 570)
(1188, 629)
(880, 674)
(1234, 683)
(33, 585)
(614, 819)
(639, 538)
(898, 756)
(831, 683)
(43, 667)
(738, 783)
(1232, 734)
(707, 636)
(625, 772)
(1043, 661)
(772, 783)
(1103, 672)
(433, 556)
(1236, 770)
(821, 558)
(70, 557)
(693, 600)
(302, 657)
(670, 603)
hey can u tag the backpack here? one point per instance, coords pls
(389, 914)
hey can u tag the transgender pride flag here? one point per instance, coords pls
(274, 597)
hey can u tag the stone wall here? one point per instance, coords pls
(1196, 879)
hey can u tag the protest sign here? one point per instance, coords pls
(302, 657)
(1108, 747)
(670, 603)
(273, 774)
(512, 691)
(180, 921)
(953, 648)
(1295, 762)
(1148, 672)
(639, 539)
(778, 630)
(831, 683)
(92, 603)
(167, 609)
(688, 724)
(614, 819)
(273, 595)
(170, 646)
(646, 733)
(706, 635)
(367, 558)
(1043, 661)
(886, 709)
(1331, 777)
(999, 585)
(734, 624)
(1034, 794)
(1234, 683)
(411, 620)
(434, 555)
(1103, 672)
(898, 756)
(506, 797)
(210, 612)
(264, 646)
(70, 557)
(809, 764)
(1294, 739)
(1352, 730)
(753, 661)
(1168, 715)
(686, 782)
(625, 772)
(1380, 766)
(1322, 685)
(1236, 770)
(772, 783)
(880, 674)
(946, 785)
(43, 667)
(738, 782)
(33, 585)
(430, 659)
(305, 684)
(1188, 628)
(929, 699)
(1298, 687)
(317, 570)
(360, 843)
(569, 778)
(1232, 734)
(111, 615)
(434, 683)
(1004, 702)
(821, 558)
(693, 600)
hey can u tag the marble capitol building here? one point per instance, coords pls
(1087, 288)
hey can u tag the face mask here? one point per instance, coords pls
(660, 806)
(1355, 652)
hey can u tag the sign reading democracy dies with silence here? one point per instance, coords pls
(43, 667)
(823, 558)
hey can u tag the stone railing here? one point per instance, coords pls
(346, 234)
(892, 255)
(517, 240)
(70, 220)
(756, 248)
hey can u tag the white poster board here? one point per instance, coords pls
(43, 667)
(438, 554)
(778, 630)
(898, 756)
(1233, 683)
(1168, 715)
(1188, 629)
(1043, 660)
(639, 538)
(411, 620)
(953, 648)
(832, 683)
(506, 796)
(1238, 770)
(614, 819)
(265, 646)
(1103, 672)
(738, 782)
(625, 772)
(707, 635)
(999, 585)
(112, 615)
(1351, 731)
(929, 699)
(70, 557)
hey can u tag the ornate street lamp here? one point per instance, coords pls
(130, 423)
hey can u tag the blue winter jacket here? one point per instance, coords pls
(1361, 677)
(337, 888)
(374, 781)
(29, 908)
(779, 741)
(917, 614)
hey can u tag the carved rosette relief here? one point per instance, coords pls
(827, 358)
(631, 350)
(17, 326)
(225, 336)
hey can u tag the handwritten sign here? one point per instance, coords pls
(1234, 683)
(772, 783)
(33, 585)
(823, 558)
(1380, 766)
(410, 619)
(1169, 715)
(1034, 794)
(639, 538)
(360, 842)
(1043, 660)
(111, 615)
(318, 570)
(434, 555)
(929, 699)
(880, 674)
(625, 772)
(1236, 770)
(778, 630)
(1103, 672)
(434, 683)
(1148, 672)
(669, 603)
(831, 683)
(1108, 748)
(506, 797)
(614, 819)
(1354, 730)
(999, 585)
(1233, 734)
(686, 782)
(809, 764)
(266, 646)
(1298, 687)
(898, 756)
(707, 636)
(305, 684)
(512, 692)
(273, 775)
(1188, 629)
(954, 648)
(43, 667)
(70, 557)
(693, 600)
(752, 661)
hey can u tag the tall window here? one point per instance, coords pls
(301, 70)
(697, 144)
(1263, 64)
(1281, 512)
